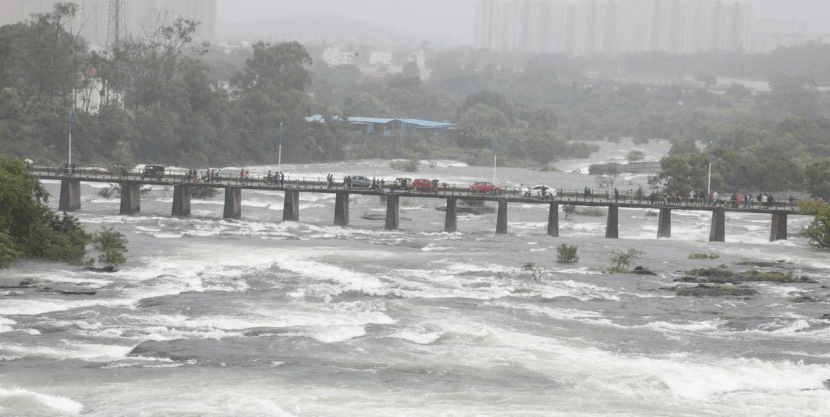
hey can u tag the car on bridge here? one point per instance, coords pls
(155, 172)
(359, 181)
(484, 187)
(422, 184)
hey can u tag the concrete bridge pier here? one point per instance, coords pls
(717, 232)
(341, 209)
(451, 218)
(130, 197)
(612, 225)
(553, 220)
(233, 203)
(181, 200)
(501, 220)
(291, 206)
(778, 228)
(393, 205)
(70, 195)
(664, 223)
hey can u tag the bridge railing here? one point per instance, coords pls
(180, 176)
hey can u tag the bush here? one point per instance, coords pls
(621, 261)
(700, 255)
(111, 244)
(569, 209)
(110, 191)
(409, 165)
(203, 192)
(590, 212)
(535, 270)
(567, 254)
(818, 232)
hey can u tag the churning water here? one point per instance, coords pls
(263, 317)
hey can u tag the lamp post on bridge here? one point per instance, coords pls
(279, 153)
(69, 166)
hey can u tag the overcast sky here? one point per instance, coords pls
(453, 19)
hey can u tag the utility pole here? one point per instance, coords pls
(117, 28)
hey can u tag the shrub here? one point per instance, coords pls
(701, 255)
(110, 191)
(535, 270)
(621, 261)
(111, 244)
(203, 192)
(409, 165)
(819, 230)
(568, 209)
(567, 254)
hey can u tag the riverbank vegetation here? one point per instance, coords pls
(169, 99)
(29, 229)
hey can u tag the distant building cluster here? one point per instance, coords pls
(617, 26)
(140, 17)
(379, 63)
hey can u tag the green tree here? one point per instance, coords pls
(682, 173)
(819, 229)
(817, 176)
(28, 227)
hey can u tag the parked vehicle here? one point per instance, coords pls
(66, 169)
(543, 191)
(154, 172)
(402, 184)
(422, 184)
(359, 181)
(484, 187)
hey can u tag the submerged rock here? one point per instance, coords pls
(723, 275)
(714, 291)
(108, 268)
(639, 270)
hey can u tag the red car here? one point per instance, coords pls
(484, 187)
(421, 184)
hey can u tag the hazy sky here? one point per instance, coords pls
(453, 19)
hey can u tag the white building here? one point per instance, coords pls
(380, 58)
(336, 55)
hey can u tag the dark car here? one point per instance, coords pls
(359, 181)
(484, 187)
(154, 172)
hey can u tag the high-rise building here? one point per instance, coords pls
(581, 27)
(142, 17)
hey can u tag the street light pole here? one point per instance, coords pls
(279, 154)
(709, 186)
(69, 167)
(495, 157)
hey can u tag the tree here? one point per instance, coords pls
(682, 173)
(819, 229)
(29, 228)
(817, 176)
(635, 155)
(284, 66)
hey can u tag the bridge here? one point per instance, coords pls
(130, 183)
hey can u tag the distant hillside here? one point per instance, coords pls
(310, 28)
